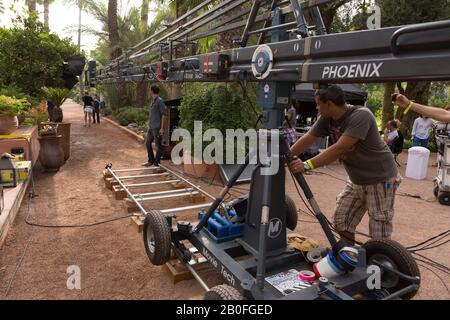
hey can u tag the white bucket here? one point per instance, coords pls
(417, 163)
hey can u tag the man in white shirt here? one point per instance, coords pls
(421, 132)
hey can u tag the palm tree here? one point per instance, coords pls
(113, 29)
(144, 12)
(46, 12)
(31, 5)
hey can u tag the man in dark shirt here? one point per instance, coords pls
(87, 99)
(155, 127)
(373, 174)
(96, 114)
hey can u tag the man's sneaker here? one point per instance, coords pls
(156, 165)
(147, 164)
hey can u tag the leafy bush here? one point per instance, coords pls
(218, 106)
(31, 57)
(36, 115)
(128, 115)
(10, 106)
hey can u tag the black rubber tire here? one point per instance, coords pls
(436, 190)
(401, 258)
(157, 231)
(291, 214)
(444, 198)
(223, 292)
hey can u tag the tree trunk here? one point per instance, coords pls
(329, 12)
(142, 87)
(46, 12)
(32, 5)
(420, 93)
(113, 30)
(175, 88)
(225, 39)
(388, 108)
(144, 12)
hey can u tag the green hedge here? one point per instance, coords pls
(218, 106)
(128, 115)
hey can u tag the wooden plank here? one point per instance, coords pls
(178, 185)
(106, 174)
(196, 198)
(131, 206)
(177, 271)
(119, 193)
(110, 182)
(138, 222)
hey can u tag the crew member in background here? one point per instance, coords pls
(434, 113)
(391, 134)
(88, 108)
(421, 132)
(155, 127)
(96, 113)
(289, 125)
(373, 174)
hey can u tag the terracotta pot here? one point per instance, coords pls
(8, 124)
(51, 155)
(201, 170)
(64, 131)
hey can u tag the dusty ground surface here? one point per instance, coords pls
(112, 259)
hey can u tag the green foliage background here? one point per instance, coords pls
(31, 57)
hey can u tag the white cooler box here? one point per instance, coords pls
(417, 163)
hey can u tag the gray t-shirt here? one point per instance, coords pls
(157, 110)
(370, 161)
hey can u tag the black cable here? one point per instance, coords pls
(433, 263)
(438, 276)
(76, 226)
(428, 240)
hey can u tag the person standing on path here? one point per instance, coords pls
(88, 108)
(96, 109)
(157, 114)
(421, 131)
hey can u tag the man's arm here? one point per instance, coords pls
(162, 110)
(302, 144)
(345, 144)
(431, 112)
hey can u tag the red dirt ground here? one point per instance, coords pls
(112, 257)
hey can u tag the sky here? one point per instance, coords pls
(63, 16)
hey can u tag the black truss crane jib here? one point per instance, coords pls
(203, 20)
(199, 18)
(363, 56)
(227, 26)
(187, 14)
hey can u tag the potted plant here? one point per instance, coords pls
(51, 155)
(10, 108)
(58, 96)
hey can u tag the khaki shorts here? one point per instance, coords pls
(377, 199)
